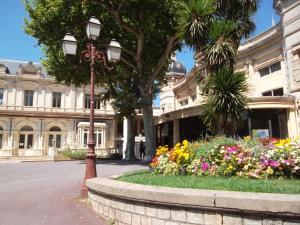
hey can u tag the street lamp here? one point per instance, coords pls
(92, 55)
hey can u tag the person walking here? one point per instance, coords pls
(142, 150)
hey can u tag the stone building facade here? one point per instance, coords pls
(36, 114)
(271, 61)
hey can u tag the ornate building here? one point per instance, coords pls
(36, 113)
(271, 61)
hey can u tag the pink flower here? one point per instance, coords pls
(274, 163)
(204, 166)
(226, 157)
(231, 149)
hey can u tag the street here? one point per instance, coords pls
(48, 193)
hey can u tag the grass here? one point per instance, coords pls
(286, 186)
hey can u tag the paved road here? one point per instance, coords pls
(48, 193)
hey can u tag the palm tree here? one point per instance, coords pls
(225, 100)
(215, 28)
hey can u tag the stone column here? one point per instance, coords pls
(292, 123)
(40, 135)
(175, 131)
(125, 133)
(10, 136)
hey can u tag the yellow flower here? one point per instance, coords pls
(247, 138)
(269, 170)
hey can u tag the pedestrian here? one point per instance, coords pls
(142, 150)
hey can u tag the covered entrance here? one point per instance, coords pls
(267, 123)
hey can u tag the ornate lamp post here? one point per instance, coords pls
(92, 55)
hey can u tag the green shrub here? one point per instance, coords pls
(76, 155)
(117, 156)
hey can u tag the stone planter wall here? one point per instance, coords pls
(123, 203)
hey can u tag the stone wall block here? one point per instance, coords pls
(178, 215)
(195, 217)
(129, 207)
(119, 205)
(151, 211)
(292, 223)
(145, 220)
(232, 220)
(272, 222)
(100, 209)
(107, 202)
(188, 224)
(126, 217)
(136, 219)
(212, 219)
(111, 213)
(118, 214)
(171, 223)
(140, 209)
(157, 221)
(163, 213)
(105, 211)
(102, 200)
(94, 205)
(252, 221)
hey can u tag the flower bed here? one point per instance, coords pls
(229, 157)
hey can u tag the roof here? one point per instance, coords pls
(177, 67)
(13, 66)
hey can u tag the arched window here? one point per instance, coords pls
(26, 128)
(26, 137)
(55, 129)
(55, 137)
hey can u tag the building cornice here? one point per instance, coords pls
(64, 115)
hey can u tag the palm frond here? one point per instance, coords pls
(226, 98)
(221, 46)
(194, 18)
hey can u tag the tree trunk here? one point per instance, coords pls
(129, 152)
(149, 130)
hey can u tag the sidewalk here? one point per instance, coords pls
(47, 193)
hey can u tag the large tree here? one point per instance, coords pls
(146, 30)
(124, 96)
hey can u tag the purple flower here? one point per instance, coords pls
(204, 166)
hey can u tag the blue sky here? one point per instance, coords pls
(16, 45)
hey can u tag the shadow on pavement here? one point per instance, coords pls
(119, 162)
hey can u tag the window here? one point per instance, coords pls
(56, 99)
(97, 137)
(275, 92)
(184, 102)
(28, 98)
(269, 69)
(55, 137)
(26, 138)
(193, 97)
(278, 92)
(275, 67)
(1, 96)
(97, 101)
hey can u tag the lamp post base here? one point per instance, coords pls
(90, 172)
(84, 191)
